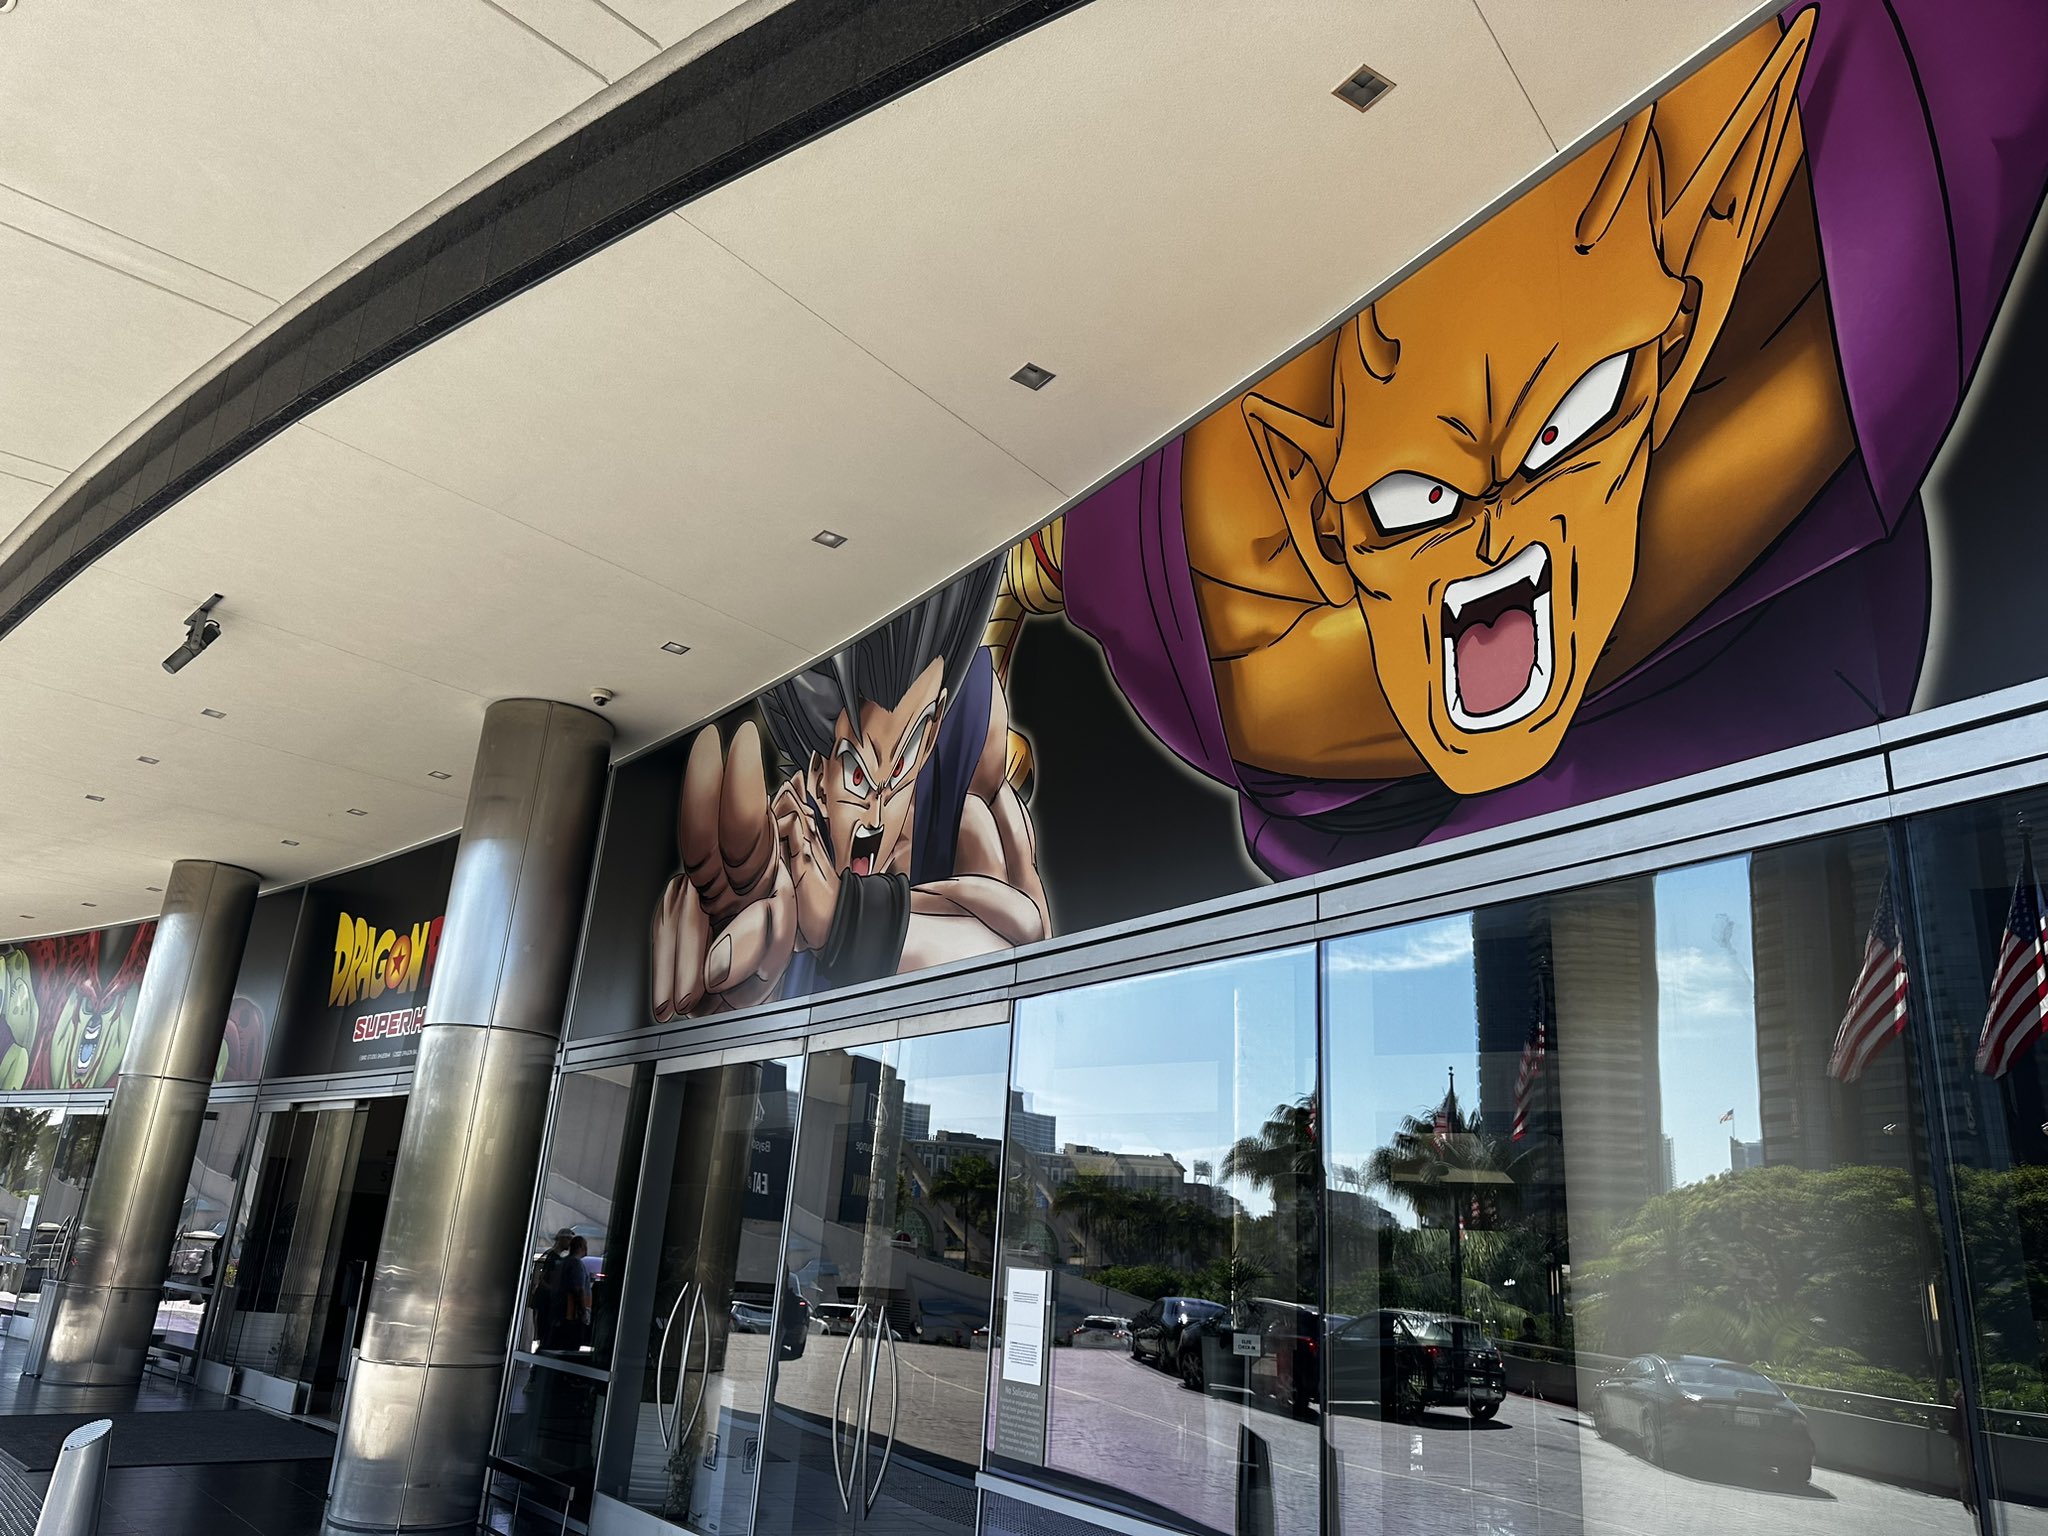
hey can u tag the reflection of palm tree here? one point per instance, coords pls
(1284, 1158)
(20, 1130)
(1450, 1171)
(969, 1185)
(1091, 1201)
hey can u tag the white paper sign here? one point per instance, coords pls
(1247, 1344)
(1024, 1326)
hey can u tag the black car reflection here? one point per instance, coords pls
(1268, 1350)
(1406, 1362)
(1705, 1410)
(1158, 1331)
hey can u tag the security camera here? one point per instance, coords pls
(601, 696)
(201, 630)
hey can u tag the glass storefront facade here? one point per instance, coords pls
(1680, 1200)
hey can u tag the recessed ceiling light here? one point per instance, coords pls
(95, 797)
(1363, 88)
(152, 761)
(214, 714)
(28, 917)
(1031, 376)
(435, 773)
(154, 890)
(828, 538)
(676, 647)
(289, 842)
(88, 903)
(354, 812)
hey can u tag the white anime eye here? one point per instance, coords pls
(1405, 500)
(1584, 406)
(851, 774)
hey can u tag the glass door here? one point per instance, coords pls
(46, 1163)
(706, 1309)
(877, 1425)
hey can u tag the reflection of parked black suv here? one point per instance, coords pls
(1408, 1361)
(1157, 1332)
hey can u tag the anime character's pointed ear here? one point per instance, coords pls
(1299, 456)
(1718, 218)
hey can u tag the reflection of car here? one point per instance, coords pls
(1268, 1348)
(1099, 1330)
(748, 1318)
(1157, 1331)
(1409, 1361)
(1702, 1408)
(836, 1316)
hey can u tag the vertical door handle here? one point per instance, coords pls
(668, 1329)
(850, 1468)
(699, 1315)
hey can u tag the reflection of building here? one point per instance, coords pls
(1031, 1131)
(1744, 1155)
(1160, 1172)
(1603, 956)
(1349, 1206)
(1668, 1179)
(1811, 907)
(917, 1121)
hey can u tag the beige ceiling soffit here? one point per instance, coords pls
(35, 471)
(1705, 56)
(654, 70)
(96, 243)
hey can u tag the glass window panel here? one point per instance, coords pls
(197, 1252)
(1163, 1169)
(1618, 1239)
(1979, 984)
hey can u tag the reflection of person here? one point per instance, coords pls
(543, 1283)
(574, 1289)
(893, 841)
(1623, 485)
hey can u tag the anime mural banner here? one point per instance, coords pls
(70, 1004)
(1631, 482)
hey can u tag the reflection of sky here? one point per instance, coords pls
(1706, 1013)
(1183, 1063)
(960, 1075)
(1403, 1013)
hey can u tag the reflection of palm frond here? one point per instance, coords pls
(1463, 1169)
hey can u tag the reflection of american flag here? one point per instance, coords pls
(2019, 986)
(1525, 1080)
(1877, 1003)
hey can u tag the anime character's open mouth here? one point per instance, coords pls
(867, 843)
(1498, 660)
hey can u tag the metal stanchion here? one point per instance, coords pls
(72, 1506)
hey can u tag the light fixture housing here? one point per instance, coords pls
(1031, 376)
(214, 714)
(201, 630)
(828, 538)
(95, 797)
(354, 812)
(1363, 89)
(435, 773)
(152, 761)
(675, 647)
(289, 842)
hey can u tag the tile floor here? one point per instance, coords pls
(273, 1498)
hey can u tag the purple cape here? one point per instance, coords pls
(1926, 128)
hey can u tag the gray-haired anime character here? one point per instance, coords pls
(893, 840)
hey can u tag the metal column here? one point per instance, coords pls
(103, 1308)
(424, 1391)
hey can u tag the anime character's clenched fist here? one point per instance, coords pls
(726, 926)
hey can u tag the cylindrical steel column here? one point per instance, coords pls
(104, 1306)
(424, 1390)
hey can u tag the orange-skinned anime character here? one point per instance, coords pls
(1622, 485)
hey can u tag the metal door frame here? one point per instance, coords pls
(616, 1517)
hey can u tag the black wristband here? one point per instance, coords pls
(868, 929)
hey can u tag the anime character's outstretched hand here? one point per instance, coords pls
(726, 925)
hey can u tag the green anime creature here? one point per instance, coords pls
(18, 1007)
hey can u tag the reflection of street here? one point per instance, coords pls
(942, 1386)
(1538, 1467)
